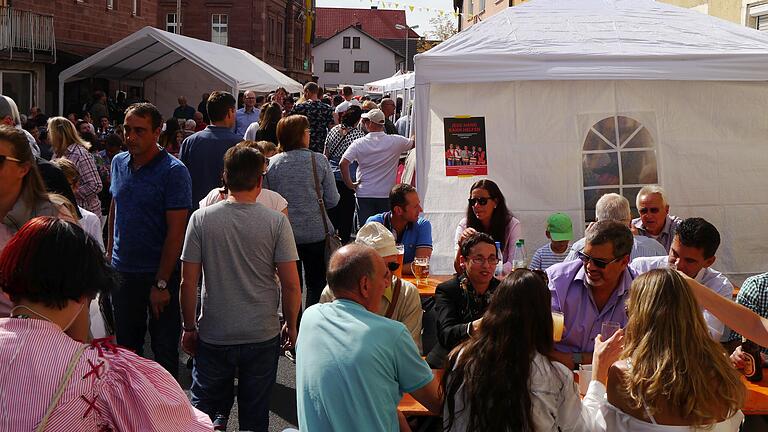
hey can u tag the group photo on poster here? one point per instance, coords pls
(465, 146)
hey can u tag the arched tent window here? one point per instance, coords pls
(619, 155)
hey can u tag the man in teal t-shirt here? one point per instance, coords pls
(353, 366)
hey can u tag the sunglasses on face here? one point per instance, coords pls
(4, 158)
(652, 210)
(600, 263)
(393, 266)
(481, 201)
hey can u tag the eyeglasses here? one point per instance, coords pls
(393, 266)
(481, 201)
(600, 263)
(652, 210)
(482, 260)
(4, 158)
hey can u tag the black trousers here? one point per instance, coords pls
(342, 216)
(312, 258)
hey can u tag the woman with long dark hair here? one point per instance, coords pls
(339, 138)
(487, 213)
(500, 378)
(167, 138)
(271, 114)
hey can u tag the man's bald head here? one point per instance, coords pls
(348, 266)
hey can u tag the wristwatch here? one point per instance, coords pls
(161, 285)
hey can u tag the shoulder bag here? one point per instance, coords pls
(332, 241)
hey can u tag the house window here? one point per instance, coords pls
(135, 7)
(355, 43)
(482, 5)
(280, 36)
(110, 4)
(18, 86)
(170, 22)
(760, 15)
(219, 28)
(331, 66)
(618, 156)
(345, 42)
(361, 67)
(469, 7)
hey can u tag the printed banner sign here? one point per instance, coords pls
(465, 146)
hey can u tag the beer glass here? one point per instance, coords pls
(420, 268)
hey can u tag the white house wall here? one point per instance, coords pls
(711, 152)
(381, 60)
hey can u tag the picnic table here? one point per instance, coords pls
(427, 286)
(756, 402)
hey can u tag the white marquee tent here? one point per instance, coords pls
(398, 82)
(169, 65)
(583, 97)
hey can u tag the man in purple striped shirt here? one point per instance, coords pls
(591, 290)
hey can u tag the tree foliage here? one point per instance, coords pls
(443, 27)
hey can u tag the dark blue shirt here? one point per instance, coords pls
(142, 198)
(414, 236)
(185, 113)
(203, 154)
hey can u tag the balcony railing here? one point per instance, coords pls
(26, 34)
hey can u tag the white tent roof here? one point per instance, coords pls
(398, 81)
(150, 51)
(598, 39)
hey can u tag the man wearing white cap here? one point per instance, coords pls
(377, 155)
(401, 301)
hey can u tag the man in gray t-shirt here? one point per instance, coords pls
(236, 245)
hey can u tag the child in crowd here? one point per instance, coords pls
(560, 233)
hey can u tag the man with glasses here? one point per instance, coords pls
(248, 114)
(203, 152)
(655, 221)
(400, 301)
(591, 290)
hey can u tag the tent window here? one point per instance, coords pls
(361, 67)
(355, 43)
(219, 28)
(331, 66)
(345, 42)
(170, 22)
(618, 156)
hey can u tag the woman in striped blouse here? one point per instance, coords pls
(52, 381)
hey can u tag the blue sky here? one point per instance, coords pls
(420, 18)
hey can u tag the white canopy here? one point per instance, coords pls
(547, 74)
(597, 39)
(398, 81)
(151, 51)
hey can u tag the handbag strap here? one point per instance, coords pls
(320, 201)
(395, 298)
(73, 361)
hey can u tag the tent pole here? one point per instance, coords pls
(61, 97)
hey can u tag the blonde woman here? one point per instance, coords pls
(66, 143)
(671, 369)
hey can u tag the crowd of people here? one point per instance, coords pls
(211, 251)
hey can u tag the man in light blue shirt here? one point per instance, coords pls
(353, 366)
(247, 114)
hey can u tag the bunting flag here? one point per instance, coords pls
(411, 8)
(396, 5)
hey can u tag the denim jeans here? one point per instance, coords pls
(367, 207)
(130, 304)
(213, 374)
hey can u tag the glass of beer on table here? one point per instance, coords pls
(558, 321)
(420, 268)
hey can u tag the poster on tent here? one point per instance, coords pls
(465, 146)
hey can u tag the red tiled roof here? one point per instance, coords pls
(379, 23)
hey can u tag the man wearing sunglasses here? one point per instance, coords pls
(655, 221)
(591, 290)
(400, 304)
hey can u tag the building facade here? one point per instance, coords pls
(353, 57)
(272, 30)
(474, 11)
(750, 13)
(39, 39)
(382, 35)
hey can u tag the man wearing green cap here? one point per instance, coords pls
(560, 233)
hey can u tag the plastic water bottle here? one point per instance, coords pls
(499, 273)
(518, 257)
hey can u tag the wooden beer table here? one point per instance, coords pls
(756, 402)
(427, 286)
